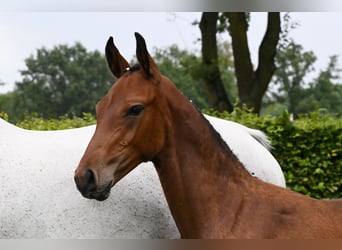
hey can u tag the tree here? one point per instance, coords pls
(182, 67)
(211, 75)
(185, 69)
(326, 89)
(66, 80)
(294, 91)
(252, 84)
(6, 102)
(293, 65)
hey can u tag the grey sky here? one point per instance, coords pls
(23, 32)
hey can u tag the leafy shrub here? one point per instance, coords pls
(4, 116)
(308, 149)
(34, 122)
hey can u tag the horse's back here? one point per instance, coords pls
(324, 219)
(336, 206)
(288, 214)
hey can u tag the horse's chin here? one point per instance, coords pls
(99, 196)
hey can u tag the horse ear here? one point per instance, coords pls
(144, 58)
(115, 60)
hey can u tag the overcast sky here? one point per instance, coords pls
(22, 33)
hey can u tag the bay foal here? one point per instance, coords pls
(144, 117)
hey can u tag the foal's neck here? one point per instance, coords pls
(197, 171)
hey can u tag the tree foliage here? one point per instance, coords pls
(182, 67)
(69, 80)
(186, 70)
(326, 90)
(292, 90)
(65, 80)
(293, 64)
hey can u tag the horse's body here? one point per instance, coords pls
(39, 199)
(210, 193)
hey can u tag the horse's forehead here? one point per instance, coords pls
(129, 83)
(131, 86)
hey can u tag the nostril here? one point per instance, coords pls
(90, 180)
(85, 182)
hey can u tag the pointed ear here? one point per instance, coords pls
(115, 60)
(145, 60)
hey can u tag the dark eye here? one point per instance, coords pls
(135, 110)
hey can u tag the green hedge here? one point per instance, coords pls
(34, 122)
(308, 149)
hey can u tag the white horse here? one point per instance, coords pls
(39, 199)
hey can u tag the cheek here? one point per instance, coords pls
(150, 139)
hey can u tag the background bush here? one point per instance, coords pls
(34, 122)
(308, 149)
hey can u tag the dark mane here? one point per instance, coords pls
(214, 132)
(217, 135)
(222, 143)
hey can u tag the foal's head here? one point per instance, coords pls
(130, 126)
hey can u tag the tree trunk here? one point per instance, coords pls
(252, 85)
(216, 93)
